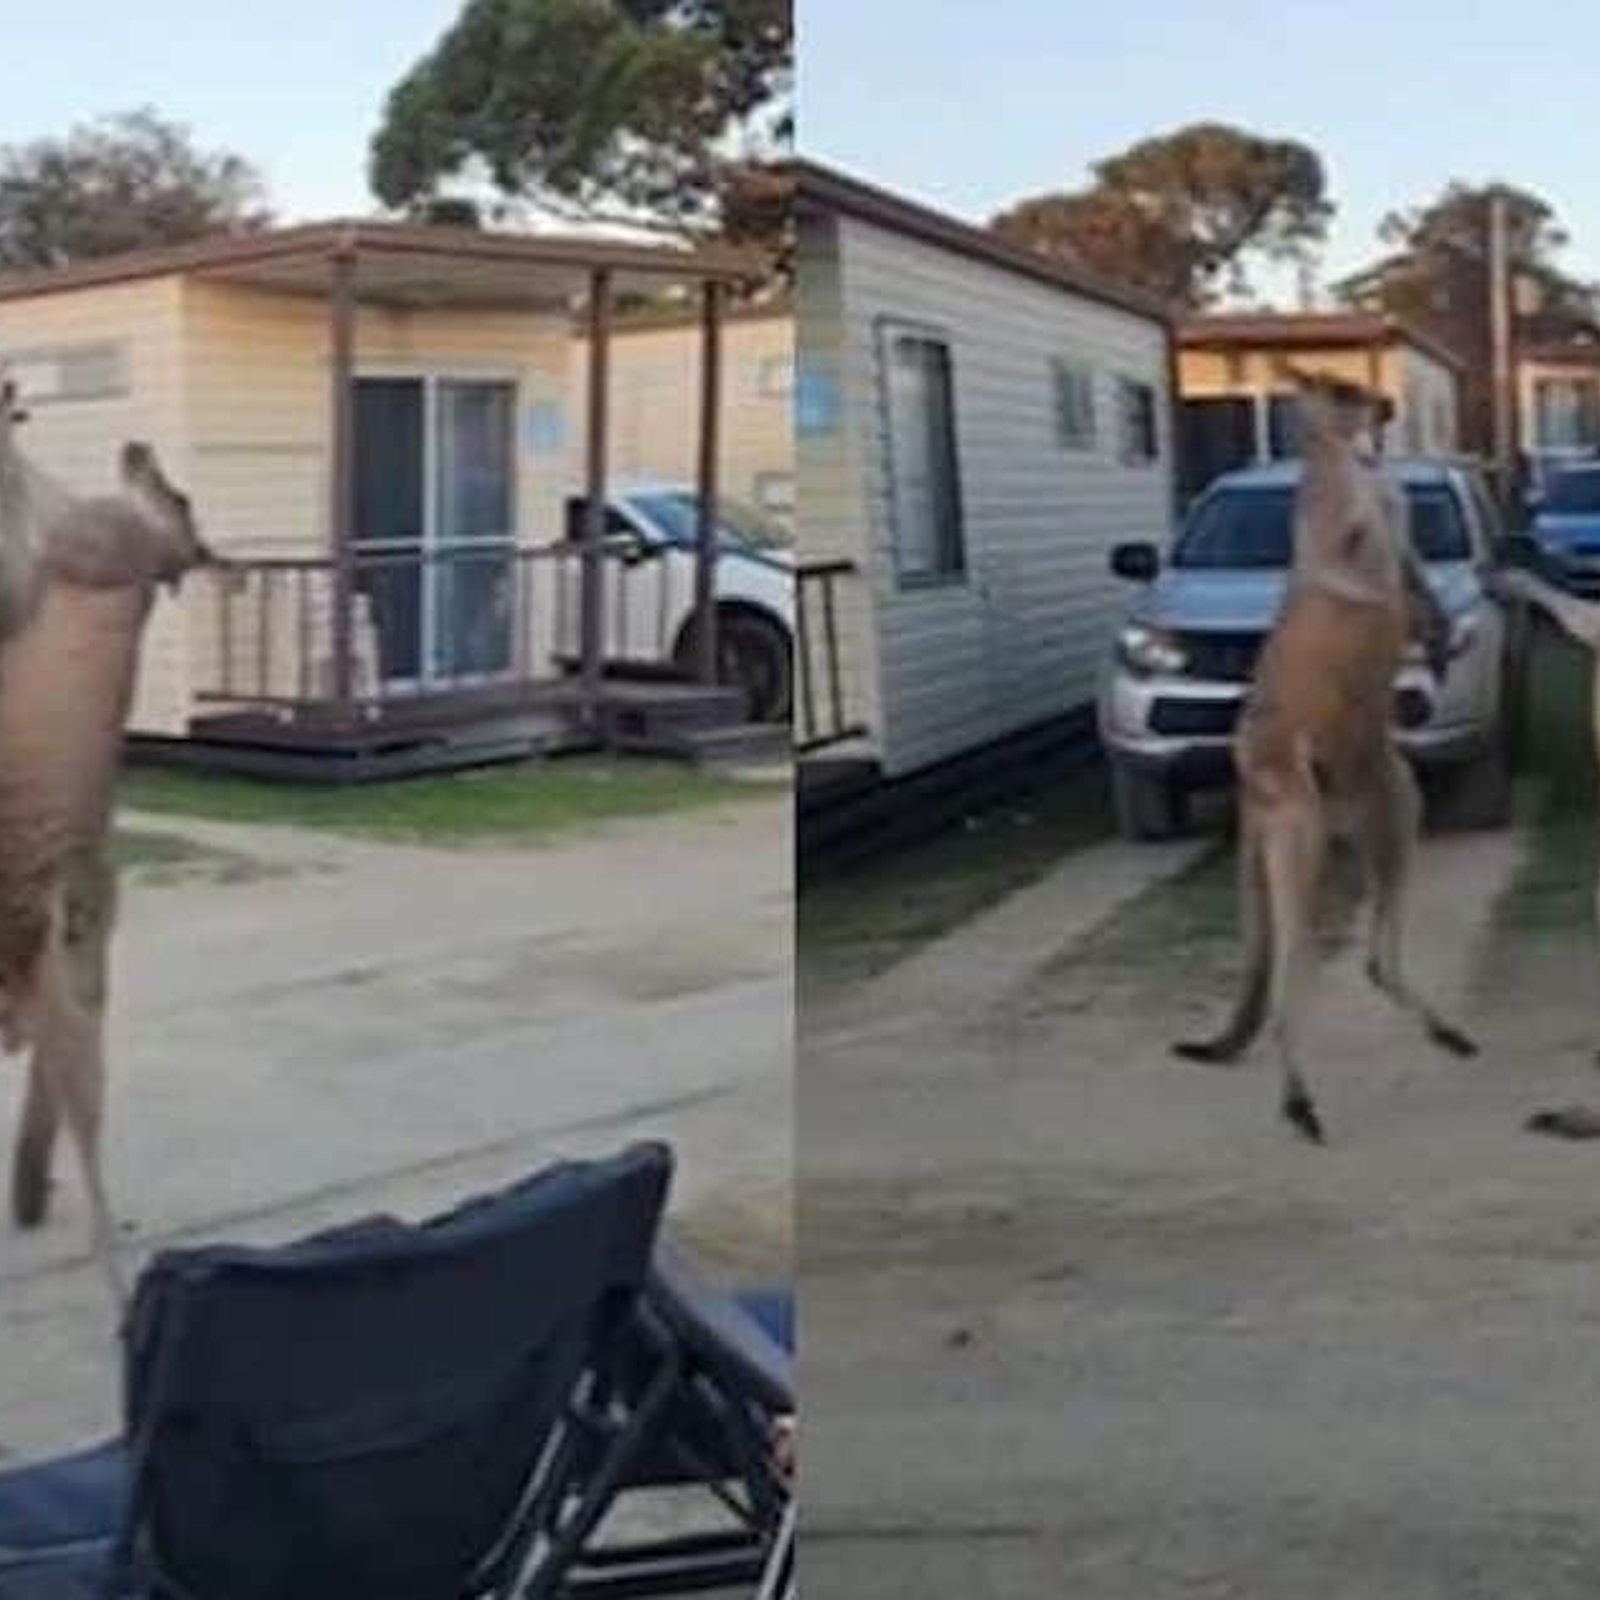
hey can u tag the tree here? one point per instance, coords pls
(122, 183)
(645, 108)
(1178, 214)
(1438, 279)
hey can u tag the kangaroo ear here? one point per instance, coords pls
(138, 462)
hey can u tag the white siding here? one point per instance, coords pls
(1019, 639)
(834, 522)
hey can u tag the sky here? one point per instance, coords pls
(967, 106)
(971, 106)
(295, 86)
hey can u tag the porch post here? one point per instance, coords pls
(594, 508)
(705, 569)
(342, 476)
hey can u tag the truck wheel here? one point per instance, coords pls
(1148, 806)
(754, 655)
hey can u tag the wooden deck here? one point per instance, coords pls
(413, 735)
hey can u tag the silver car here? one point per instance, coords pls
(1173, 683)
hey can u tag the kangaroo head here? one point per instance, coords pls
(167, 515)
(1333, 409)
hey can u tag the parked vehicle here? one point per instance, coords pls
(1175, 678)
(1566, 526)
(650, 591)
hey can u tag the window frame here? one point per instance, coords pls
(1131, 451)
(1065, 370)
(887, 330)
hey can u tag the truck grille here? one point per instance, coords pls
(1175, 718)
(1221, 657)
(1199, 719)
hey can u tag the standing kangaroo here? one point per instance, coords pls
(1315, 753)
(77, 580)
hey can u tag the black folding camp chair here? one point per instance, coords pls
(731, 1366)
(384, 1412)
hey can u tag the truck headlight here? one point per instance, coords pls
(1463, 634)
(1150, 652)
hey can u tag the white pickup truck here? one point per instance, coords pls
(649, 591)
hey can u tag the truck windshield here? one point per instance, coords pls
(1252, 528)
(676, 513)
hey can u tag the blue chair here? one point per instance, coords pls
(732, 1360)
(383, 1410)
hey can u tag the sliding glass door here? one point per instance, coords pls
(436, 526)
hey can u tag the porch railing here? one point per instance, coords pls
(481, 616)
(823, 716)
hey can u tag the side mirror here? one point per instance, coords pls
(1137, 562)
(629, 548)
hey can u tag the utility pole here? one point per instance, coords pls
(1505, 430)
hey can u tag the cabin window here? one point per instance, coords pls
(775, 492)
(1141, 437)
(68, 372)
(1565, 414)
(775, 377)
(924, 478)
(1072, 385)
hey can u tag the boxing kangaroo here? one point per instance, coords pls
(1315, 751)
(77, 580)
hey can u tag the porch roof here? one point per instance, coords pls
(407, 266)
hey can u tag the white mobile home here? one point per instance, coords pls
(976, 427)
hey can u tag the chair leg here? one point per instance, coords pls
(550, 1569)
(781, 1579)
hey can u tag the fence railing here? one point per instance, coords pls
(421, 623)
(822, 710)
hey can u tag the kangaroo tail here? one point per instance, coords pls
(1251, 1008)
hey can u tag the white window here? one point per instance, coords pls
(1565, 414)
(67, 372)
(1072, 385)
(924, 477)
(775, 492)
(1141, 434)
(775, 377)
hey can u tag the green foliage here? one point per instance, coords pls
(639, 106)
(1176, 215)
(123, 183)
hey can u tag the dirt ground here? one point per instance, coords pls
(309, 1027)
(1082, 1319)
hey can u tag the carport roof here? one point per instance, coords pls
(405, 265)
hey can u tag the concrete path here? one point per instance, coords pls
(371, 1025)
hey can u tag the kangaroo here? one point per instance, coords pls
(1315, 751)
(77, 581)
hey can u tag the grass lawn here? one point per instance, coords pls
(528, 804)
(862, 920)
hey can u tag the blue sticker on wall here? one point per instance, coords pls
(546, 425)
(816, 402)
